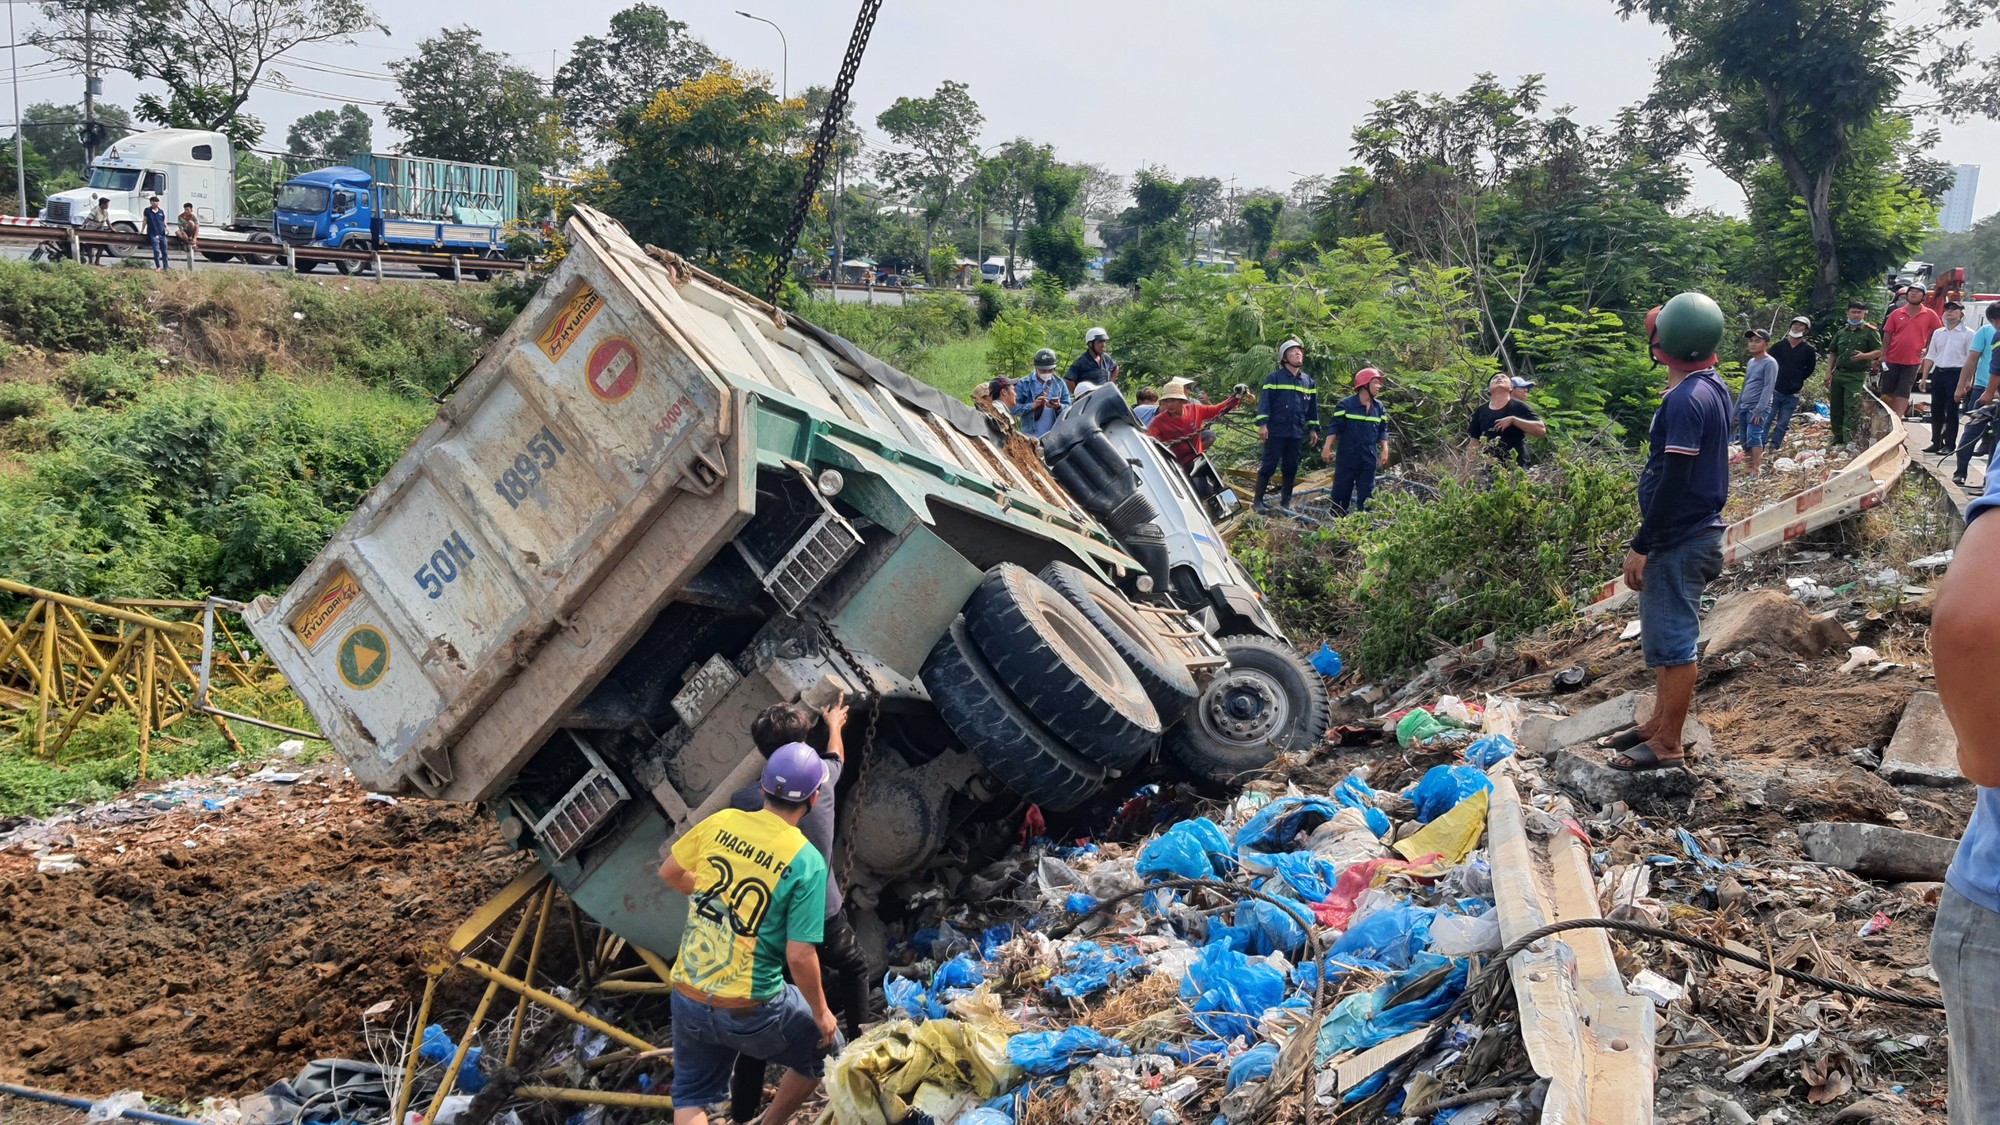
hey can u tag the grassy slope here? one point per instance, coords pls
(185, 435)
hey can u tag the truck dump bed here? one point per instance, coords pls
(603, 451)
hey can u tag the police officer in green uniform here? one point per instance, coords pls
(1857, 344)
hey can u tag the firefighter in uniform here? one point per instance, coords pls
(1357, 442)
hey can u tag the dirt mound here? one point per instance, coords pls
(213, 951)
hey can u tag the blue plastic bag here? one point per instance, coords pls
(906, 996)
(985, 1115)
(1230, 992)
(962, 971)
(1093, 968)
(1310, 875)
(1443, 787)
(1048, 1053)
(1255, 1063)
(437, 1047)
(990, 941)
(1360, 1022)
(1354, 793)
(1192, 849)
(1263, 928)
(1079, 903)
(1493, 748)
(1277, 826)
(1201, 1050)
(1391, 936)
(1326, 661)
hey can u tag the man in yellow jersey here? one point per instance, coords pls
(756, 906)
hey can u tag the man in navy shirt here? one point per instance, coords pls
(1357, 442)
(1287, 418)
(1965, 946)
(1678, 549)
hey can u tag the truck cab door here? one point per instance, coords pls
(344, 220)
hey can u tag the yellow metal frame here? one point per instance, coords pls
(68, 657)
(530, 901)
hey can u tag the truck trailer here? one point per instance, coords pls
(658, 505)
(395, 202)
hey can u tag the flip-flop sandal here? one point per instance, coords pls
(1641, 758)
(1623, 740)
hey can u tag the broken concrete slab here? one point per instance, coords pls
(1617, 713)
(1533, 737)
(1648, 791)
(1768, 620)
(1878, 851)
(1924, 750)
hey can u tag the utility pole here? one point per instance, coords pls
(89, 91)
(20, 157)
(839, 236)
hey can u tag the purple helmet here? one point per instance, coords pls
(793, 772)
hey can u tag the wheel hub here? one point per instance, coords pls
(1245, 706)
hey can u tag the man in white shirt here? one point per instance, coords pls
(1944, 360)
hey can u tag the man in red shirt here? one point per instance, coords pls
(1905, 335)
(1179, 423)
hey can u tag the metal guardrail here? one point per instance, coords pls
(1861, 484)
(77, 239)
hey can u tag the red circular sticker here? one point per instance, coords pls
(613, 369)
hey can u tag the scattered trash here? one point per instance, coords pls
(1327, 662)
(1858, 656)
(114, 1107)
(1933, 562)
(1569, 680)
(1875, 925)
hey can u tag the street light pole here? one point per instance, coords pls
(20, 157)
(785, 87)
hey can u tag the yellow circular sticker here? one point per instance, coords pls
(364, 656)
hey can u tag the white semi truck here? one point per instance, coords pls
(180, 166)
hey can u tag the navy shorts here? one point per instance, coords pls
(707, 1041)
(1670, 605)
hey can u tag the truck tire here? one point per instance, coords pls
(218, 256)
(261, 239)
(999, 732)
(1061, 669)
(1267, 700)
(306, 265)
(1167, 681)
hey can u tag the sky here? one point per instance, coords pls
(1261, 90)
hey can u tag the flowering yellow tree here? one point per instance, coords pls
(710, 170)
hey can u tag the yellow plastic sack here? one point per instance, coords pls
(883, 1075)
(1452, 835)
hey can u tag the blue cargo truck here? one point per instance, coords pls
(394, 202)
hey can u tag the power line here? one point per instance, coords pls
(288, 87)
(334, 69)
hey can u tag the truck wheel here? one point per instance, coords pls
(999, 732)
(214, 256)
(1060, 668)
(344, 266)
(260, 239)
(306, 265)
(1268, 700)
(1161, 673)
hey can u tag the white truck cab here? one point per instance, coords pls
(178, 165)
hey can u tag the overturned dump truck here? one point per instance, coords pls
(658, 505)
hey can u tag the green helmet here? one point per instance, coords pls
(1688, 327)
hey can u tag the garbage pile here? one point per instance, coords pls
(1265, 962)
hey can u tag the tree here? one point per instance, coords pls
(461, 101)
(56, 131)
(645, 51)
(328, 135)
(1055, 240)
(210, 55)
(1260, 221)
(1879, 219)
(1103, 192)
(37, 168)
(704, 170)
(1798, 82)
(1154, 229)
(936, 134)
(1005, 184)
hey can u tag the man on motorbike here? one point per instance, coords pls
(1179, 423)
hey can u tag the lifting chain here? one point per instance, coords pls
(866, 757)
(823, 146)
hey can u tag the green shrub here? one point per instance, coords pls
(106, 379)
(24, 400)
(67, 307)
(991, 301)
(1392, 586)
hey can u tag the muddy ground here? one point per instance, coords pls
(196, 952)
